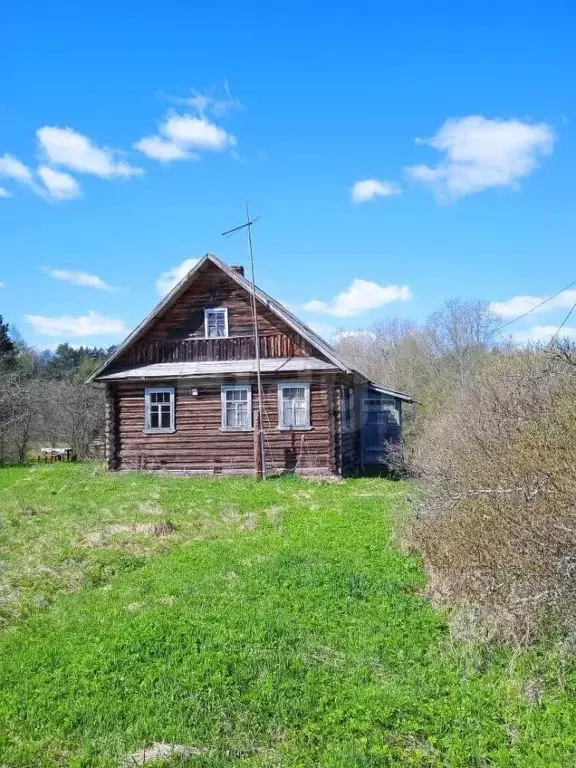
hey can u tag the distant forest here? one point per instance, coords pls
(44, 401)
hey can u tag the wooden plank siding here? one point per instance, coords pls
(178, 335)
(198, 443)
(225, 349)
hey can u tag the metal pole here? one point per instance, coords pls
(257, 344)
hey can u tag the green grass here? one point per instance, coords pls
(277, 625)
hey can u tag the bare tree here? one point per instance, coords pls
(498, 526)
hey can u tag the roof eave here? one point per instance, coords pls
(392, 392)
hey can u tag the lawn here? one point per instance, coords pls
(270, 624)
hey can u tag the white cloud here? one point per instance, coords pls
(4, 192)
(360, 296)
(542, 334)
(160, 149)
(171, 277)
(79, 278)
(68, 148)
(181, 134)
(60, 186)
(12, 168)
(362, 191)
(358, 333)
(204, 103)
(479, 153)
(91, 324)
(56, 184)
(197, 132)
(325, 330)
(518, 305)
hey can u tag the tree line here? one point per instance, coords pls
(44, 401)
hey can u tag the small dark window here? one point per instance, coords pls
(216, 323)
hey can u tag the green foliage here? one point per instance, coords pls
(274, 624)
(7, 346)
(80, 361)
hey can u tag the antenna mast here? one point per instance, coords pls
(259, 432)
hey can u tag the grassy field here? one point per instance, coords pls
(270, 624)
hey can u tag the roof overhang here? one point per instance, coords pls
(277, 365)
(391, 392)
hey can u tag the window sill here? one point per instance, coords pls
(295, 429)
(159, 431)
(236, 429)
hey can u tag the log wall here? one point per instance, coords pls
(199, 444)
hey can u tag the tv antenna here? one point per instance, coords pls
(258, 437)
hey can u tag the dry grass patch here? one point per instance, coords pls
(160, 751)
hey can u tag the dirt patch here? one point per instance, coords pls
(159, 751)
(133, 607)
(273, 512)
(27, 511)
(101, 536)
(167, 600)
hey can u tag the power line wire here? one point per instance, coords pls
(540, 304)
(563, 323)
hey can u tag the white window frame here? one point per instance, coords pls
(287, 385)
(348, 425)
(230, 388)
(147, 406)
(206, 315)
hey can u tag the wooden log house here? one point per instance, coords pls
(182, 389)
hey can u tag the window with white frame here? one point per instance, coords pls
(159, 409)
(237, 407)
(347, 409)
(216, 323)
(294, 405)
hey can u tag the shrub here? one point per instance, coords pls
(498, 528)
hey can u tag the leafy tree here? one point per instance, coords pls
(7, 346)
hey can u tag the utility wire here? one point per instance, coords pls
(540, 304)
(563, 323)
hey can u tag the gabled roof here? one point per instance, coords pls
(280, 310)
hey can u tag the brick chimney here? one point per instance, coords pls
(238, 268)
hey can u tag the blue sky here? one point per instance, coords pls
(457, 119)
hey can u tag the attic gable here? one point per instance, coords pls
(212, 289)
(212, 284)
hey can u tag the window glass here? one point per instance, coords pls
(159, 405)
(347, 409)
(216, 323)
(236, 408)
(293, 406)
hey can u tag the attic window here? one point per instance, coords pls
(216, 323)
